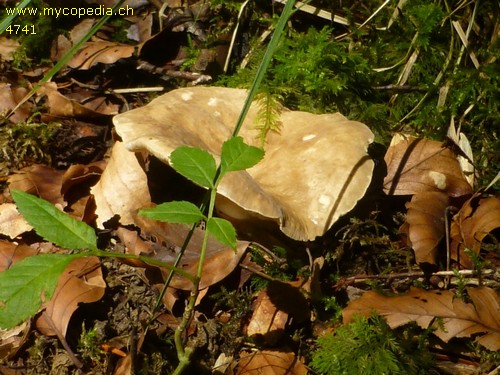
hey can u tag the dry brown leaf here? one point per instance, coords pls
(270, 362)
(62, 106)
(76, 183)
(11, 253)
(134, 244)
(420, 165)
(268, 322)
(7, 48)
(122, 189)
(40, 180)
(81, 282)
(100, 51)
(313, 172)
(450, 316)
(12, 223)
(220, 260)
(273, 308)
(426, 224)
(62, 44)
(11, 340)
(124, 366)
(77, 174)
(95, 102)
(477, 217)
(9, 97)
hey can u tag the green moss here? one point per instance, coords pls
(25, 143)
(35, 48)
(359, 74)
(369, 346)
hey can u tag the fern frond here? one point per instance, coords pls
(268, 116)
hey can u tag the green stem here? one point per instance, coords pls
(184, 354)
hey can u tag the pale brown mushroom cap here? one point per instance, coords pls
(313, 172)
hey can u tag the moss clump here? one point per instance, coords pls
(413, 76)
(42, 30)
(369, 346)
(25, 143)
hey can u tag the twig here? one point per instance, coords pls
(362, 278)
(402, 88)
(63, 341)
(137, 89)
(259, 273)
(319, 12)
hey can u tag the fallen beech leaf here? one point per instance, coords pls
(40, 180)
(7, 48)
(76, 183)
(270, 362)
(62, 106)
(100, 51)
(224, 365)
(62, 44)
(9, 98)
(456, 318)
(313, 172)
(220, 260)
(274, 306)
(124, 366)
(81, 282)
(419, 165)
(11, 253)
(77, 174)
(426, 224)
(122, 189)
(12, 339)
(267, 322)
(477, 217)
(93, 101)
(487, 306)
(12, 223)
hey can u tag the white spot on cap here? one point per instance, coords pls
(439, 179)
(217, 114)
(212, 102)
(187, 95)
(308, 137)
(324, 200)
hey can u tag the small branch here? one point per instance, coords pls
(402, 89)
(362, 278)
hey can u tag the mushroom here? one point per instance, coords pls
(314, 171)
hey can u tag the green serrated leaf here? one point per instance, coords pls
(54, 225)
(179, 212)
(195, 164)
(223, 231)
(237, 155)
(29, 283)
